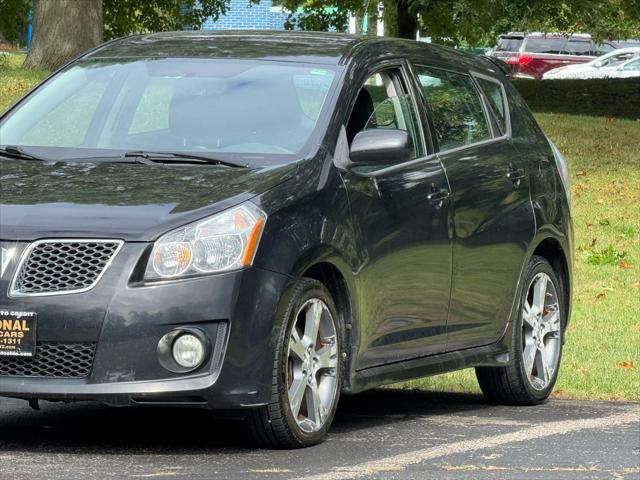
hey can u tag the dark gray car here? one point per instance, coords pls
(259, 222)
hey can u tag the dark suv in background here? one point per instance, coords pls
(531, 55)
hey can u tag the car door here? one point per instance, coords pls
(401, 214)
(492, 215)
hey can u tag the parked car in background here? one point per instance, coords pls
(602, 67)
(264, 221)
(531, 55)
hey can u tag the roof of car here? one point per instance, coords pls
(309, 47)
(315, 47)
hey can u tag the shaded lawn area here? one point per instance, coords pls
(602, 354)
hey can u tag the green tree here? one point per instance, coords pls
(13, 19)
(124, 17)
(478, 22)
(475, 22)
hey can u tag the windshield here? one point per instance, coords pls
(233, 108)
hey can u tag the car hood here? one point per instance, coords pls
(131, 202)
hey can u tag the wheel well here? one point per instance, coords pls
(330, 277)
(551, 250)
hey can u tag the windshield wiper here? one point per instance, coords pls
(181, 157)
(15, 151)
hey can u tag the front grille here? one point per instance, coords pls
(59, 360)
(63, 266)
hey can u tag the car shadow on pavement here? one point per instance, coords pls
(93, 428)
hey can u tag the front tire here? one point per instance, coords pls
(537, 342)
(307, 372)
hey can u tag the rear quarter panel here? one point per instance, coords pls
(549, 201)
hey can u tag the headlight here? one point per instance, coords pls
(223, 242)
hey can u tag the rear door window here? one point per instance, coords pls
(632, 66)
(495, 95)
(578, 47)
(545, 45)
(456, 107)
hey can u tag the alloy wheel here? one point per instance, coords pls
(312, 363)
(541, 335)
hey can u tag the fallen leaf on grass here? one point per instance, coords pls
(589, 226)
(624, 265)
(635, 285)
(557, 393)
(578, 188)
(626, 365)
(581, 173)
(601, 296)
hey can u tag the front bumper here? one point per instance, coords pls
(126, 319)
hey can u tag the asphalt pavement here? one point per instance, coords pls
(384, 434)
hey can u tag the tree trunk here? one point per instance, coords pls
(359, 21)
(407, 23)
(398, 20)
(372, 24)
(390, 18)
(63, 29)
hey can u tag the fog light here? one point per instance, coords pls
(188, 351)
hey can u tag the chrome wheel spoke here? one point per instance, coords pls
(530, 351)
(528, 315)
(314, 405)
(296, 395)
(543, 368)
(312, 323)
(328, 354)
(540, 293)
(551, 322)
(295, 344)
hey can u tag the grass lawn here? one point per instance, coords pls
(14, 81)
(602, 354)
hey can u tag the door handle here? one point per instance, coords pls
(515, 175)
(439, 196)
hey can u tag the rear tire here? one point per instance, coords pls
(307, 372)
(536, 345)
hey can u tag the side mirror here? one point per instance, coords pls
(380, 146)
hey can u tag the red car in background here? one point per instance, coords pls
(531, 55)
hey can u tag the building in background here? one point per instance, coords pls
(241, 15)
